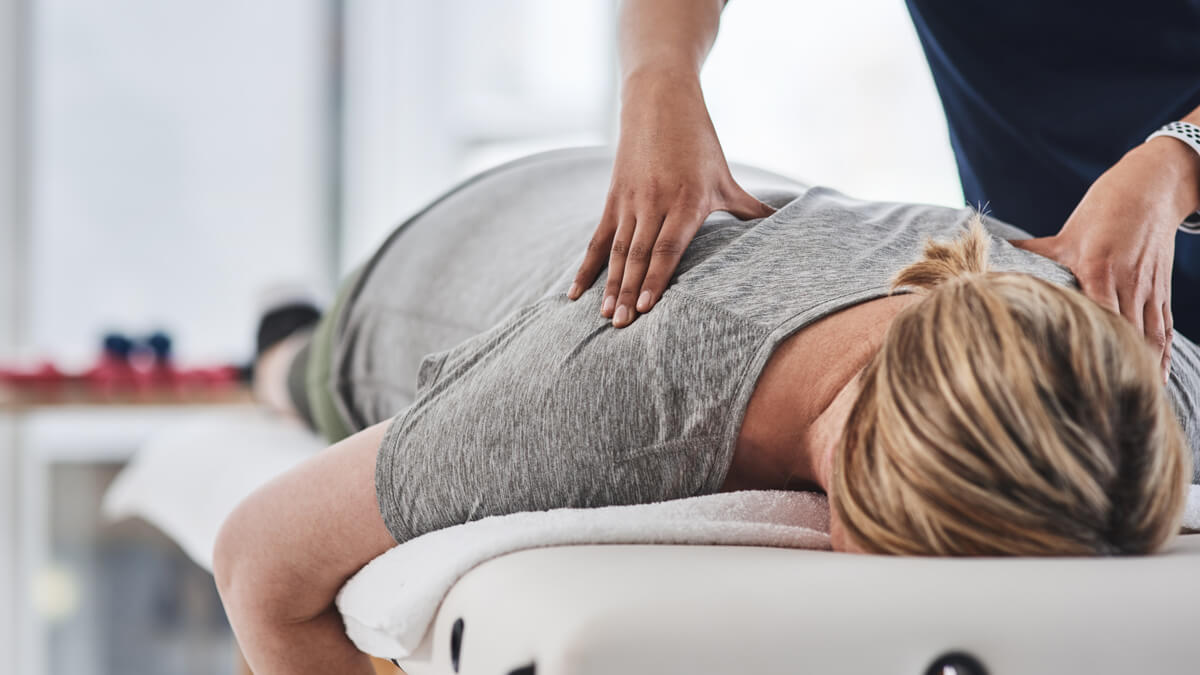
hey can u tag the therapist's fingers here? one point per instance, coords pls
(677, 231)
(636, 263)
(596, 257)
(1157, 324)
(675, 234)
(622, 241)
(1154, 325)
(1101, 289)
(1133, 307)
(1169, 332)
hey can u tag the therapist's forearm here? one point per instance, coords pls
(666, 38)
(1181, 164)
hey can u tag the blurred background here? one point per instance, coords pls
(161, 164)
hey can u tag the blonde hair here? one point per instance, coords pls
(1005, 415)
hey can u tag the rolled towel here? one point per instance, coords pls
(390, 603)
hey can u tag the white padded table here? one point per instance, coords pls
(591, 610)
(574, 610)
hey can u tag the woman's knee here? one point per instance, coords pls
(284, 552)
(232, 558)
(256, 577)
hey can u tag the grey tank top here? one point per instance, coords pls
(505, 396)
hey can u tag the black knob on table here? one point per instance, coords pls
(456, 636)
(956, 663)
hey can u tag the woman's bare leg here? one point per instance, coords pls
(282, 555)
(270, 382)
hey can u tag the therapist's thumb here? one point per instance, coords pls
(744, 205)
(1043, 246)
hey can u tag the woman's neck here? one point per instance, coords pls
(803, 395)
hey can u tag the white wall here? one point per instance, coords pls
(435, 91)
(11, 241)
(835, 93)
(398, 143)
(11, 270)
(179, 165)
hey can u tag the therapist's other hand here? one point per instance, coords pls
(1120, 240)
(669, 174)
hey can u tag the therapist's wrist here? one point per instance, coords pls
(660, 79)
(1177, 166)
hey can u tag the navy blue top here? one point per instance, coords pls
(1042, 96)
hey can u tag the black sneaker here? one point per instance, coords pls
(282, 321)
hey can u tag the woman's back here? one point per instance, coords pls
(538, 402)
(495, 243)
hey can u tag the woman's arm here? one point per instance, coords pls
(670, 171)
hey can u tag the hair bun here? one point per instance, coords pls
(948, 260)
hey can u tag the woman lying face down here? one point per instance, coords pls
(988, 412)
(1004, 415)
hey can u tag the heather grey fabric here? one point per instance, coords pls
(525, 400)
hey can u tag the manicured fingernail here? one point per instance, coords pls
(643, 302)
(608, 304)
(573, 292)
(622, 314)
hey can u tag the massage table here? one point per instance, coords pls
(661, 609)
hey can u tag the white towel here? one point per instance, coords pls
(187, 478)
(391, 602)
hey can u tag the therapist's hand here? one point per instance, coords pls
(1120, 240)
(669, 174)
